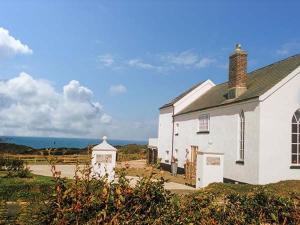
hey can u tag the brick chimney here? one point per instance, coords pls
(237, 73)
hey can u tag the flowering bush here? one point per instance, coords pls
(86, 201)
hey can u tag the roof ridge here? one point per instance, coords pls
(269, 65)
(277, 62)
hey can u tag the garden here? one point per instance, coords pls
(84, 200)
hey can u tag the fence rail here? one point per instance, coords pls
(40, 159)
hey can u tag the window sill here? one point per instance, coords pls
(295, 167)
(203, 132)
(240, 162)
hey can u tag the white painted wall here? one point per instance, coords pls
(165, 131)
(193, 96)
(277, 109)
(223, 137)
(206, 173)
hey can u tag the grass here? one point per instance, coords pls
(23, 189)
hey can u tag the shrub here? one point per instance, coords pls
(86, 200)
(14, 167)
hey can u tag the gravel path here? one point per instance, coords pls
(68, 171)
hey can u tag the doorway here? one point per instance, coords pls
(190, 166)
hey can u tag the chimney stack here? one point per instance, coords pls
(237, 84)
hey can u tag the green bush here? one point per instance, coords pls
(86, 200)
(14, 167)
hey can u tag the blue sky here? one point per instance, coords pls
(127, 57)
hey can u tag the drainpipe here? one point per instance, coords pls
(172, 136)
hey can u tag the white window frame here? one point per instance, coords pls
(241, 143)
(295, 139)
(204, 123)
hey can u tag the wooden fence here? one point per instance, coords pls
(42, 159)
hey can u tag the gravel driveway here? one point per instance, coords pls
(68, 171)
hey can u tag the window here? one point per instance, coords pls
(176, 129)
(203, 123)
(242, 137)
(296, 138)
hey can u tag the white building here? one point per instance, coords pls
(253, 120)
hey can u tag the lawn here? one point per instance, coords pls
(13, 189)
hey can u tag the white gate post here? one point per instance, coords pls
(104, 160)
(209, 168)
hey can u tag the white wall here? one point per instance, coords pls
(223, 137)
(207, 172)
(193, 95)
(277, 109)
(165, 130)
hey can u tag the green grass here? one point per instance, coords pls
(23, 189)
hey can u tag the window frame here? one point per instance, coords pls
(203, 117)
(295, 138)
(241, 135)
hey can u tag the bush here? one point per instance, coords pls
(86, 200)
(14, 167)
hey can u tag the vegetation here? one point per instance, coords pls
(125, 152)
(86, 200)
(131, 152)
(14, 167)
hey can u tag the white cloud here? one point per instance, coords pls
(10, 46)
(289, 48)
(140, 64)
(106, 60)
(187, 59)
(161, 63)
(31, 106)
(205, 62)
(117, 89)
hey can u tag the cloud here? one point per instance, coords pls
(106, 60)
(31, 106)
(117, 89)
(205, 62)
(289, 48)
(10, 46)
(187, 59)
(138, 63)
(161, 63)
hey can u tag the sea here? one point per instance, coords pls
(57, 142)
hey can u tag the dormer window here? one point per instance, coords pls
(203, 123)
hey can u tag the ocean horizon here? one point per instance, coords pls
(60, 142)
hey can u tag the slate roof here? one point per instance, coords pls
(172, 102)
(259, 81)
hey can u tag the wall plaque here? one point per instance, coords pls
(103, 158)
(215, 161)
